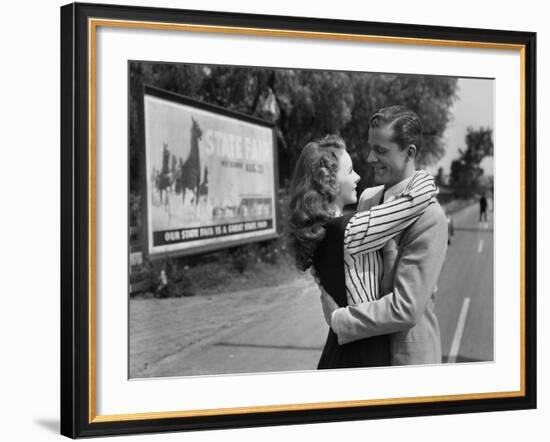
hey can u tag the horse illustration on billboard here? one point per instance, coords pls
(189, 171)
(164, 178)
(182, 176)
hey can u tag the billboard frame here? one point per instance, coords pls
(164, 94)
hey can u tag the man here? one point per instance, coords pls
(483, 208)
(412, 263)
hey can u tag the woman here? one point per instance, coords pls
(323, 183)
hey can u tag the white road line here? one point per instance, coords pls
(455, 346)
(480, 246)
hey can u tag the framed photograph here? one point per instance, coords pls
(273, 220)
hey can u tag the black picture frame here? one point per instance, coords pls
(78, 250)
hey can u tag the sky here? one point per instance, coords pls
(474, 107)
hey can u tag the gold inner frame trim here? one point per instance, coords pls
(299, 34)
(297, 407)
(92, 221)
(93, 24)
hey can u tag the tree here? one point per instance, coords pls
(303, 104)
(440, 178)
(465, 171)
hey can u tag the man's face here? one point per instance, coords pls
(391, 164)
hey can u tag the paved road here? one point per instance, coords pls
(465, 297)
(286, 331)
(290, 337)
(271, 329)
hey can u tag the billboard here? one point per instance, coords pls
(210, 176)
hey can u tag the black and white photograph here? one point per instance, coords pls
(295, 220)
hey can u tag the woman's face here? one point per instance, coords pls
(347, 181)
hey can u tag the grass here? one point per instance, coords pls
(222, 275)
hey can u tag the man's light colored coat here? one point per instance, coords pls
(408, 311)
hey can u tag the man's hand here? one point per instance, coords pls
(329, 305)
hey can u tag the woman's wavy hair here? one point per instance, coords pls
(313, 190)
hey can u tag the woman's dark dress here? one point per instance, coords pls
(328, 262)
